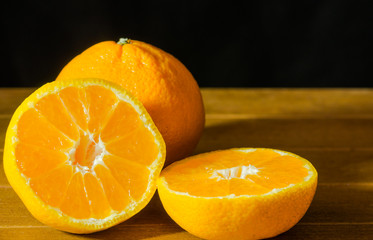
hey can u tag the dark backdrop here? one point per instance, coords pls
(223, 43)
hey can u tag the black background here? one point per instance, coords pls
(224, 44)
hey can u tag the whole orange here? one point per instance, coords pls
(161, 82)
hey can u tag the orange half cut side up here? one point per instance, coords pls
(242, 193)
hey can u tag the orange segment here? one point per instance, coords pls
(139, 146)
(101, 103)
(213, 189)
(75, 201)
(278, 171)
(238, 193)
(239, 187)
(123, 121)
(65, 174)
(95, 193)
(34, 129)
(130, 175)
(75, 101)
(117, 196)
(53, 109)
(45, 186)
(34, 161)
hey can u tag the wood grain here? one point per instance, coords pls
(287, 133)
(332, 128)
(277, 133)
(10, 98)
(288, 102)
(338, 205)
(255, 101)
(333, 203)
(150, 232)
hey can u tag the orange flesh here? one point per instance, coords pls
(84, 151)
(233, 172)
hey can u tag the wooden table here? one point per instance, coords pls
(333, 128)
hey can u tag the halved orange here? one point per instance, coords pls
(83, 155)
(242, 193)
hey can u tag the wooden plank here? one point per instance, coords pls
(298, 232)
(264, 116)
(254, 101)
(340, 166)
(330, 127)
(329, 232)
(4, 122)
(11, 98)
(145, 231)
(286, 133)
(14, 213)
(334, 208)
(333, 166)
(341, 203)
(277, 133)
(3, 180)
(333, 204)
(288, 102)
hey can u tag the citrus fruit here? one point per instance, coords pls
(238, 193)
(161, 82)
(83, 155)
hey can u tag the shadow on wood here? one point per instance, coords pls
(286, 133)
(151, 222)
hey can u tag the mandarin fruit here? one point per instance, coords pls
(83, 155)
(160, 81)
(238, 193)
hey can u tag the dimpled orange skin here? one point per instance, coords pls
(161, 82)
(247, 218)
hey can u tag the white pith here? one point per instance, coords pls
(240, 172)
(97, 155)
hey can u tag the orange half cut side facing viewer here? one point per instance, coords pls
(83, 155)
(238, 193)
